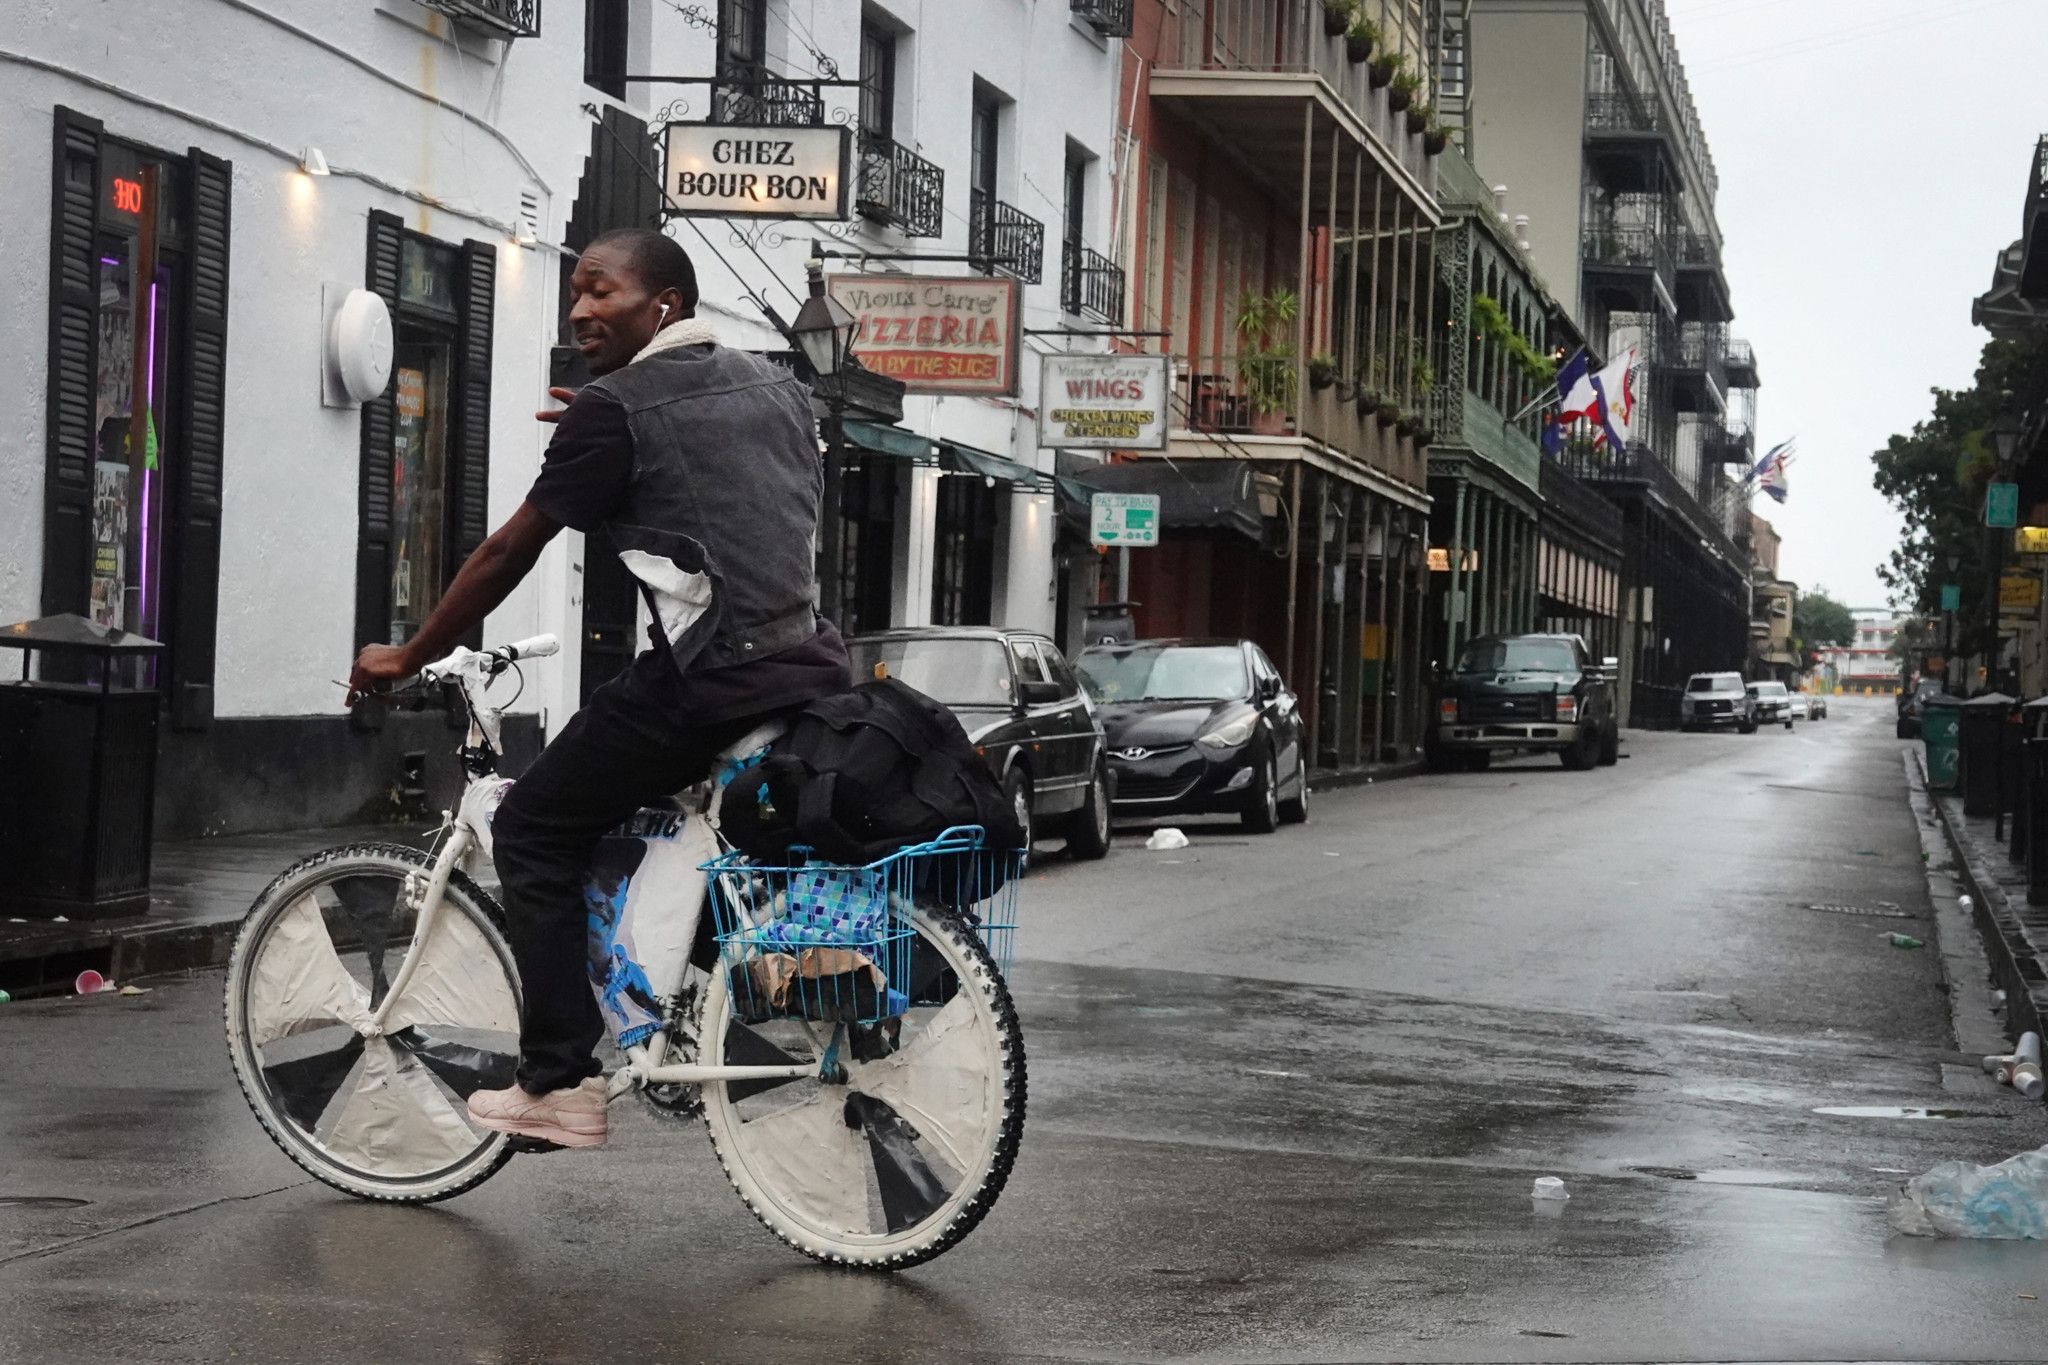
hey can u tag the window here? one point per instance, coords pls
(877, 83)
(1164, 673)
(950, 672)
(963, 553)
(984, 135)
(1154, 315)
(1074, 211)
(1056, 669)
(1024, 655)
(742, 33)
(605, 44)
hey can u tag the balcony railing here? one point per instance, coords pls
(1639, 465)
(1694, 250)
(1740, 362)
(1003, 237)
(1572, 502)
(1615, 244)
(901, 188)
(747, 94)
(498, 18)
(1110, 18)
(1092, 285)
(1459, 418)
(1614, 112)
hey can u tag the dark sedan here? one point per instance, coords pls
(1023, 709)
(1199, 727)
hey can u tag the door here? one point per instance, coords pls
(1067, 732)
(1283, 718)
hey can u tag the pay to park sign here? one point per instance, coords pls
(1102, 402)
(954, 334)
(1124, 518)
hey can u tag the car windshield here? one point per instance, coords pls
(1767, 689)
(1164, 673)
(1517, 656)
(952, 672)
(1712, 682)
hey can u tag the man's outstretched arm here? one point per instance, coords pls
(486, 579)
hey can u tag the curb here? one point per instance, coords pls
(1331, 779)
(2014, 967)
(47, 961)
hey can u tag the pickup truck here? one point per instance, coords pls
(1711, 700)
(1525, 693)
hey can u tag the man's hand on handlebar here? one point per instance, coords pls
(376, 668)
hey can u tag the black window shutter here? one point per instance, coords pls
(197, 476)
(479, 286)
(373, 492)
(74, 367)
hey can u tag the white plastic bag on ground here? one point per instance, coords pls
(1956, 1199)
(1166, 840)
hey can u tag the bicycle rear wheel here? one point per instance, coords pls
(379, 1117)
(905, 1157)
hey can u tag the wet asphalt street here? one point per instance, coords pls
(1288, 1094)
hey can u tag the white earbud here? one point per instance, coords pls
(664, 315)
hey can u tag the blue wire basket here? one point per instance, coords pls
(834, 943)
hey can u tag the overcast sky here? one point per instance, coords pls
(1872, 155)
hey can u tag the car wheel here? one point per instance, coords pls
(1584, 752)
(1478, 761)
(1262, 806)
(1018, 788)
(1088, 836)
(1788, 725)
(1610, 747)
(1747, 727)
(1295, 810)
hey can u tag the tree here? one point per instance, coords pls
(1819, 620)
(1935, 475)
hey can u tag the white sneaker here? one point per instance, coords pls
(568, 1118)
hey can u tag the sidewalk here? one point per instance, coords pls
(2015, 934)
(200, 889)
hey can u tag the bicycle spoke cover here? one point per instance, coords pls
(462, 1068)
(813, 1162)
(370, 903)
(940, 1081)
(306, 1085)
(458, 983)
(299, 983)
(910, 1189)
(745, 1047)
(397, 1122)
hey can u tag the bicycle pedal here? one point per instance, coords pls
(532, 1145)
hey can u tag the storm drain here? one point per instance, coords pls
(1881, 910)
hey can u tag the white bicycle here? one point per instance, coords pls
(371, 990)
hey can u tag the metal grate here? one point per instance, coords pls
(1002, 237)
(747, 94)
(1110, 18)
(899, 187)
(1092, 285)
(499, 18)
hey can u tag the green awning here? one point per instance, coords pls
(988, 464)
(892, 441)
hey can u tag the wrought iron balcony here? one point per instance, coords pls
(497, 18)
(747, 94)
(901, 188)
(1614, 112)
(1003, 237)
(1092, 285)
(1110, 18)
(1640, 467)
(1740, 362)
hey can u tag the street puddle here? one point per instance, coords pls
(40, 1201)
(1895, 1111)
(1715, 1177)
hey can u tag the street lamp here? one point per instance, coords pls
(824, 331)
(2005, 438)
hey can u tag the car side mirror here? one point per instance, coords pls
(1269, 688)
(1611, 667)
(1038, 693)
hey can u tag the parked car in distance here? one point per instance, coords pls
(1711, 700)
(1773, 703)
(1911, 703)
(1816, 705)
(1525, 693)
(1025, 712)
(1199, 727)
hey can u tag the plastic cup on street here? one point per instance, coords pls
(1548, 1187)
(89, 982)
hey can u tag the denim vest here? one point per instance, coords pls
(721, 521)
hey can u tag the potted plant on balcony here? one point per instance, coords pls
(1418, 117)
(1322, 371)
(1360, 39)
(1383, 69)
(1267, 361)
(1435, 139)
(1337, 16)
(1404, 85)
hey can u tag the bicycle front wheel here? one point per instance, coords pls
(905, 1156)
(380, 1117)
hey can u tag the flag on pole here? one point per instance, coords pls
(1606, 399)
(1769, 473)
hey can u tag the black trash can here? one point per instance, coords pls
(1983, 737)
(78, 750)
(2035, 819)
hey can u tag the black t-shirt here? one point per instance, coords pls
(583, 483)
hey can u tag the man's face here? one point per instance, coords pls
(613, 313)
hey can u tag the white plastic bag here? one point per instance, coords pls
(1166, 840)
(1956, 1199)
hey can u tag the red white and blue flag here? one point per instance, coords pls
(1769, 473)
(1605, 398)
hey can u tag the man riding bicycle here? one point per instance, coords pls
(700, 464)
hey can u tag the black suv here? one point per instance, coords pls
(1540, 693)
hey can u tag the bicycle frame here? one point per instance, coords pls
(467, 830)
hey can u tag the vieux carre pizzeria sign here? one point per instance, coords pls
(949, 335)
(721, 170)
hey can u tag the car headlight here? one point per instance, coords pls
(1447, 711)
(1567, 708)
(1231, 734)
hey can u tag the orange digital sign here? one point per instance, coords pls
(127, 195)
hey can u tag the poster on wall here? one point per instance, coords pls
(939, 335)
(408, 461)
(723, 170)
(1103, 402)
(109, 543)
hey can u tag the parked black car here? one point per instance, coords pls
(1025, 712)
(1511, 693)
(1199, 727)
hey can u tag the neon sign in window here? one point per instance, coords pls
(127, 196)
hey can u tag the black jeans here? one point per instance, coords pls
(634, 742)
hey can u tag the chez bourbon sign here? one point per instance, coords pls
(722, 170)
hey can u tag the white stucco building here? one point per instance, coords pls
(183, 465)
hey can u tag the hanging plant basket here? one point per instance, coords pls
(1336, 18)
(1367, 400)
(1434, 141)
(1358, 47)
(1390, 413)
(1406, 426)
(1418, 122)
(1380, 73)
(1425, 436)
(1399, 99)
(1321, 374)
